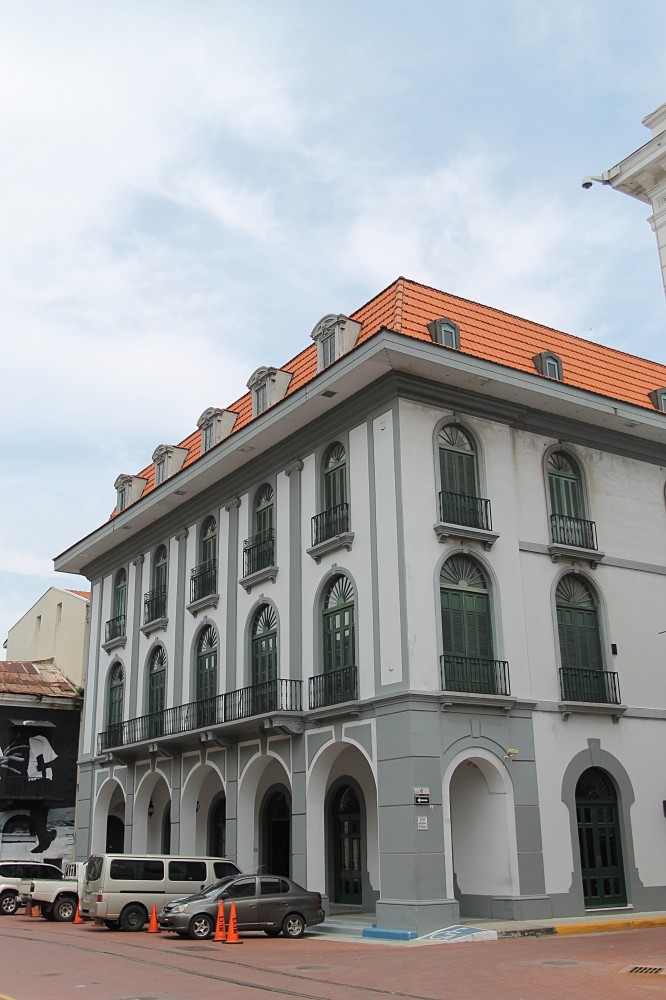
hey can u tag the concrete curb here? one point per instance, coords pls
(590, 927)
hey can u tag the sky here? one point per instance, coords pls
(187, 187)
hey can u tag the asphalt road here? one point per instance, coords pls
(40, 960)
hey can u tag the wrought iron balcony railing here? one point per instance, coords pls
(334, 687)
(203, 581)
(600, 686)
(258, 552)
(474, 675)
(470, 512)
(573, 531)
(258, 699)
(154, 605)
(330, 523)
(115, 628)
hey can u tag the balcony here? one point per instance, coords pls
(203, 587)
(467, 517)
(258, 559)
(474, 675)
(154, 610)
(115, 633)
(575, 538)
(596, 686)
(333, 687)
(330, 531)
(258, 699)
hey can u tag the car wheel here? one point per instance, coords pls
(201, 927)
(293, 926)
(8, 903)
(133, 918)
(64, 910)
(113, 925)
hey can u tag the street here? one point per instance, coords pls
(48, 961)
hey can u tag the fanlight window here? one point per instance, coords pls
(264, 509)
(465, 606)
(116, 694)
(207, 664)
(578, 624)
(264, 645)
(209, 540)
(457, 461)
(335, 476)
(157, 680)
(339, 626)
(565, 485)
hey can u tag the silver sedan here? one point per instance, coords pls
(270, 903)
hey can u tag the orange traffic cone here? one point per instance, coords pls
(28, 908)
(153, 926)
(36, 912)
(232, 933)
(220, 929)
(78, 919)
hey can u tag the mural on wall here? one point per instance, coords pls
(38, 753)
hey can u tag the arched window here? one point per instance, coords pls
(334, 518)
(264, 661)
(335, 476)
(264, 645)
(467, 637)
(339, 630)
(582, 673)
(157, 687)
(206, 676)
(567, 505)
(115, 705)
(458, 473)
(155, 601)
(204, 576)
(259, 549)
(208, 544)
(120, 597)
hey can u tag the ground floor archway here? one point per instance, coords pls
(599, 840)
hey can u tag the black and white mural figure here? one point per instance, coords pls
(37, 783)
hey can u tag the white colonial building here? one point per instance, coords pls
(392, 624)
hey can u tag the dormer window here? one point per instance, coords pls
(334, 336)
(549, 365)
(445, 332)
(128, 490)
(260, 399)
(215, 425)
(658, 399)
(168, 460)
(268, 386)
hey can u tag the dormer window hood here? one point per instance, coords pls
(268, 386)
(168, 460)
(334, 336)
(215, 425)
(129, 490)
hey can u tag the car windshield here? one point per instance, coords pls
(213, 889)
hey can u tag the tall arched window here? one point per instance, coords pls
(264, 660)
(334, 519)
(459, 499)
(582, 673)
(204, 576)
(118, 624)
(259, 549)
(339, 680)
(569, 525)
(155, 600)
(467, 637)
(157, 690)
(115, 705)
(206, 676)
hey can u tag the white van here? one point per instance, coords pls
(121, 889)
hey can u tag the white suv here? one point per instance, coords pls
(12, 873)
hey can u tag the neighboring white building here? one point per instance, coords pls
(391, 623)
(55, 627)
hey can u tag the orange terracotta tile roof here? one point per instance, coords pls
(81, 593)
(406, 307)
(34, 677)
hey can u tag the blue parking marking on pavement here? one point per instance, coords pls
(461, 932)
